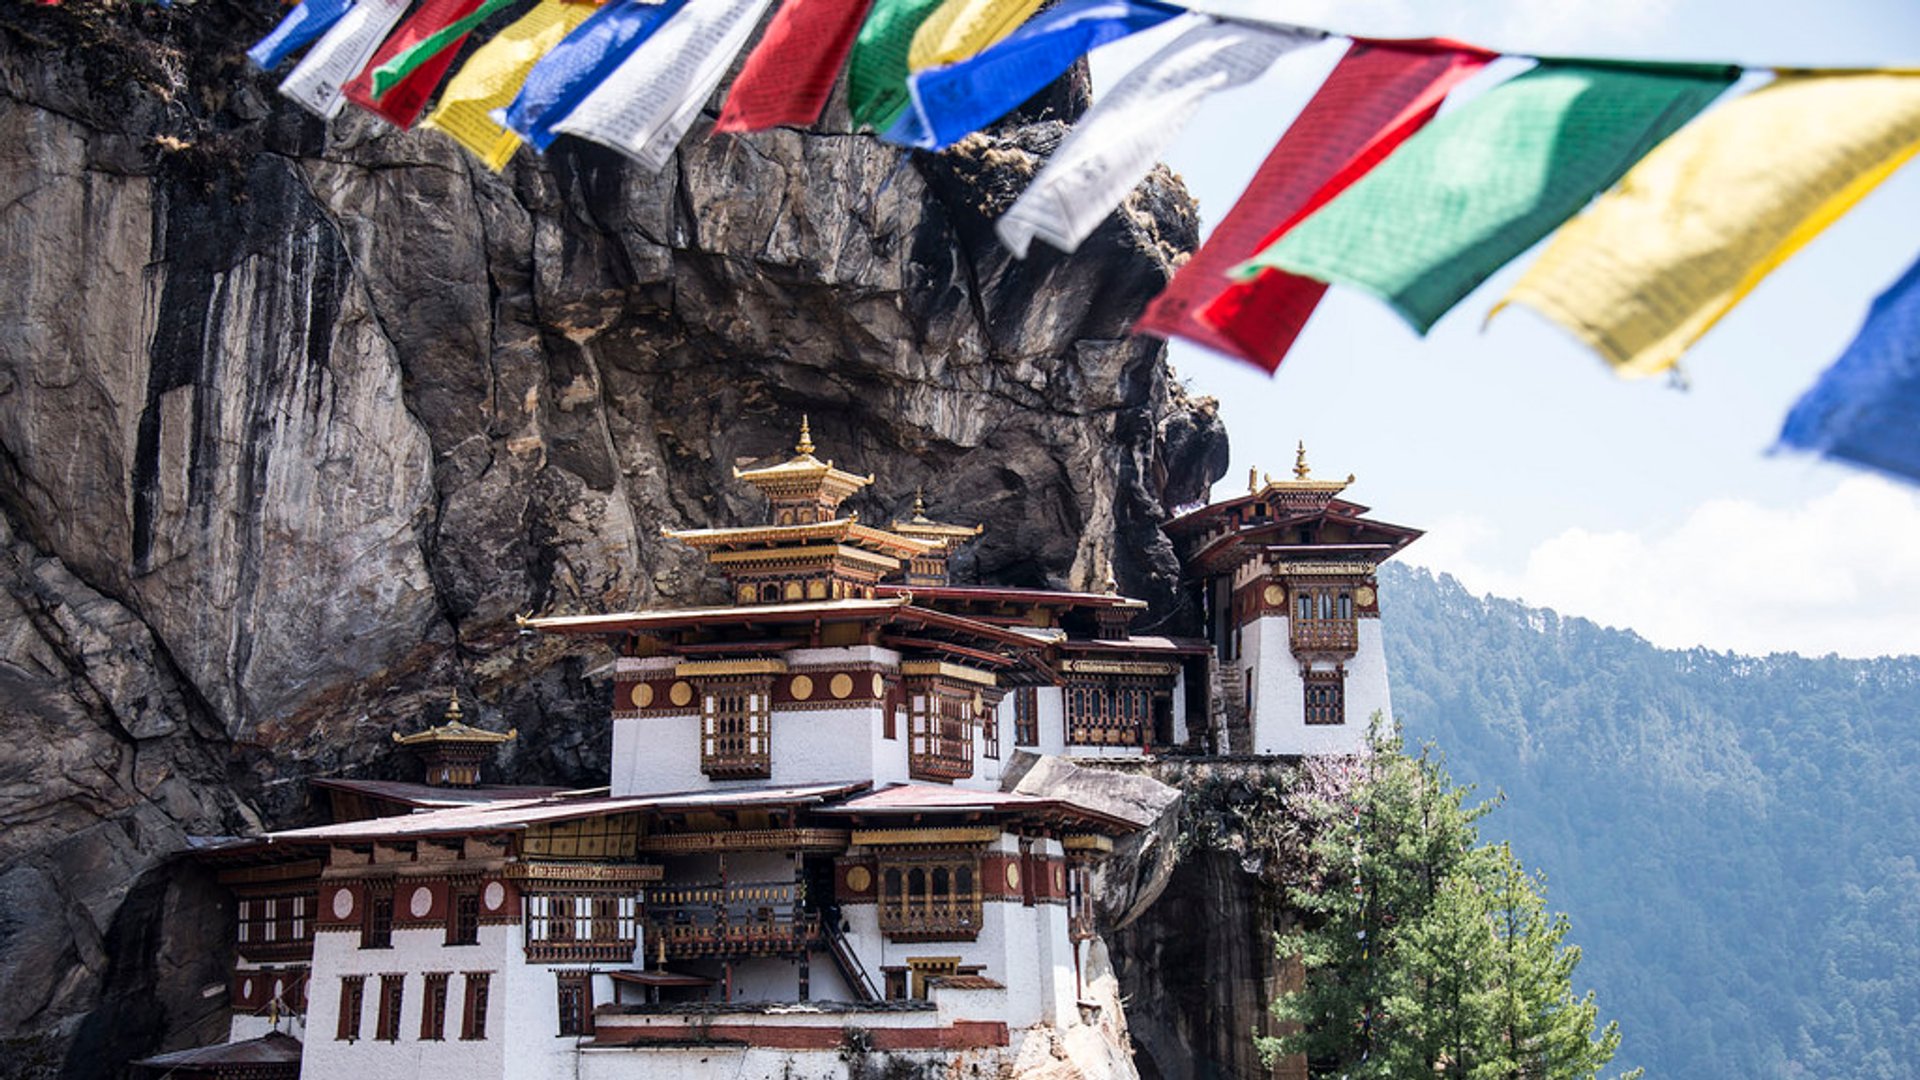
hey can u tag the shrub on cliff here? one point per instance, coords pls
(1425, 951)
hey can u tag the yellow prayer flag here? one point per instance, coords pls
(1651, 266)
(958, 29)
(494, 74)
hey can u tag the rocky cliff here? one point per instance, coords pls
(294, 419)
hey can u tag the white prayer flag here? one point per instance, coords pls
(316, 83)
(1116, 143)
(648, 103)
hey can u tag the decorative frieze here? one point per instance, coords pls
(746, 840)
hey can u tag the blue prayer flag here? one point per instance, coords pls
(301, 26)
(952, 101)
(581, 62)
(1865, 409)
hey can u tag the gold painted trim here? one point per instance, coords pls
(977, 834)
(1312, 569)
(545, 871)
(951, 671)
(809, 839)
(1087, 842)
(1117, 667)
(690, 669)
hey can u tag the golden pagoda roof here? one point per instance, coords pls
(803, 474)
(1302, 481)
(847, 530)
(454, 730)
(941, 533)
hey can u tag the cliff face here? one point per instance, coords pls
(293, 420)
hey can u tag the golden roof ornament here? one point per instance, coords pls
(920, 504)
(1300, 469)
(805, 445)
(453, 729)
(1253, 479)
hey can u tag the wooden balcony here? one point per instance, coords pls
(957, 920)
(580, 952)
(1325, 635)
(754, 918)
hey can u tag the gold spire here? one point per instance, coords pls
(1300, 469)
(805, 445)
(453, 707)
(1253, 479)
(920, 503)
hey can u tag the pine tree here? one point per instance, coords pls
(1424, 951)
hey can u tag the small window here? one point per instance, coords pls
(473, 1017)
(464, 929)
(433, 1009)
(1326, 697)
(990, 733)
(1026, 716)
(575, 997)
(376, 930)
(392, 992)
(353, 993)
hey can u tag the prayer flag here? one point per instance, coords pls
(495, 73)
(1377, 96)
(790, 73)
(450, 36)
(649, 102)
(950, 102)
(1866, 407)
(958, 29)
(1693, 228)
(877, 70)
(1116, 143)
(307, 21)
(402, 105)
(580, 63)
(1483, 183)
(316, 83)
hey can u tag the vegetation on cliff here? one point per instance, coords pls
(1424, 950)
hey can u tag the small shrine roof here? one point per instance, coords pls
(803, 473)
(847, 530)
(513, 816)
(454, 731)
(922, 525)
(273, 1048)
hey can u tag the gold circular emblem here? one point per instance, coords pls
(858, 879)
(1364, 596)
(681, 693)
(879, 685)
(747, 594)
(1275, 596)
(802, 687)
(642, 695)
(842, 685)
(1013, 875)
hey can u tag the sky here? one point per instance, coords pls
(1536, 473)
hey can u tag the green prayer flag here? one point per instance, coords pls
(877, 71)
(1483, 183)
(391, 73)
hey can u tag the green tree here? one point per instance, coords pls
(1425, 951)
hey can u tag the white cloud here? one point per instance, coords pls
(1840, 573)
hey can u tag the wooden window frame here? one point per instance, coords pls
(393, 1002)
(914, 905)
(1026, 716)
(353, 1002)
(376, 926)
(1324, 695)
(573, 1000)
(473, 1015)
(463, 917)
(940, 721)
(433, 1007)
(736, 728)
(1109, 712)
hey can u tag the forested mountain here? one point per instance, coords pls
(1736, 838)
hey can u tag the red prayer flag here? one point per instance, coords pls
(788, 76)
(1379, 94)
(403, 103)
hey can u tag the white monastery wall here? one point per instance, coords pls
(408, 1057)
(1279, 694)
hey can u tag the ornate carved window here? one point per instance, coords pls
(1080, 900)
(930, 895)
(1026, 716)
(1326, 696)
(275, 927)
(574, 994)
(940, 732)
(473, 1017)
(392, 994)
(739, 918)
(582, 926)
(1323, 619)
(353, 998)
(1108, 713)
(735, 726)
(433, 1008)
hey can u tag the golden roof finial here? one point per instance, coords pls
(453, 707)
(805, 446)
(1300, 469)
(1253, 479)
(919, 502)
